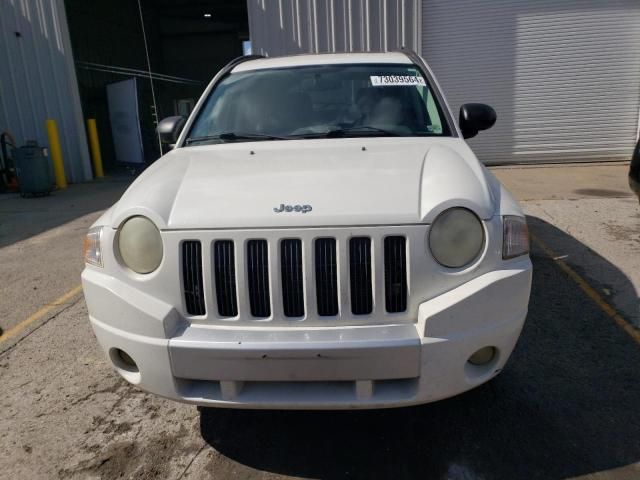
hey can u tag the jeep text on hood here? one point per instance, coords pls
(346, 181)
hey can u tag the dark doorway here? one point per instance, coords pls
(187, 42)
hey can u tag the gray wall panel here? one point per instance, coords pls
(282, 27)
(564, 77)
(37, 80)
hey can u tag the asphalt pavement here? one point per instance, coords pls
(566, 405)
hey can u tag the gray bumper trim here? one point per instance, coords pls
(360, 353)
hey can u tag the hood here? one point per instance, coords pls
(335, 182)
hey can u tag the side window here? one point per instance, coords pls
(432, 110)
(435, 121)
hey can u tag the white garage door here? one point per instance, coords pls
(564, 76)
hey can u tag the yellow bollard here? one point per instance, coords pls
(94, 143)
(56, 154)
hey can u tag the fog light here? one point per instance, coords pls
(483, 356)
(123, 360)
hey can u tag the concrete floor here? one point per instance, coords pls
(41, 244)
(565, 406)
(594, 206)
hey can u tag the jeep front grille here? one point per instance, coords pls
(326, 276)
(395, 274)
(224, 271)
(360, 275)
(192, 277)
(258, 278)
(292, 281)
(297, 278)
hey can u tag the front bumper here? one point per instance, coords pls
(316, 367)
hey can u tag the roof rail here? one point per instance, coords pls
(409, 53)
(239, 60)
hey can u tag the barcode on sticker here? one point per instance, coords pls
(391, 80)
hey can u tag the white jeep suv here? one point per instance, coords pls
(320, 237)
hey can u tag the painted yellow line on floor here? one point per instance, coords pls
(15, 330)
(590, 291)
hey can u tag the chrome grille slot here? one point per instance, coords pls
(360, 275)
(258, 278)
(395, 274)
(192, 277)
(292, 277)
(224, 270)
(326, 276)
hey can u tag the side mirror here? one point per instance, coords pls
(169, 128)
(475, 117)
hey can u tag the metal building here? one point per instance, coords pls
(59, 57)
(564, 76)
(281, 27)
(38, 80)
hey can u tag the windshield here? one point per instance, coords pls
(316, 101)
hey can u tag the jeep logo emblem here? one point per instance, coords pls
(293, 208)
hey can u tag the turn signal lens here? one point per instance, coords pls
(515, 239)
(92, 248)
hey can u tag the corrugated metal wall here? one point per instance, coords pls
(280, 27)
(38, 81)
(564, 76)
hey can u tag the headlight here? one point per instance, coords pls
(92, 248)
(515, 238)
(140, 245)
(456, 237)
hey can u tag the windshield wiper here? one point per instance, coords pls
(232, 137)
(359, 130)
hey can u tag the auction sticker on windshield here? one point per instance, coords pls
(400, 80)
